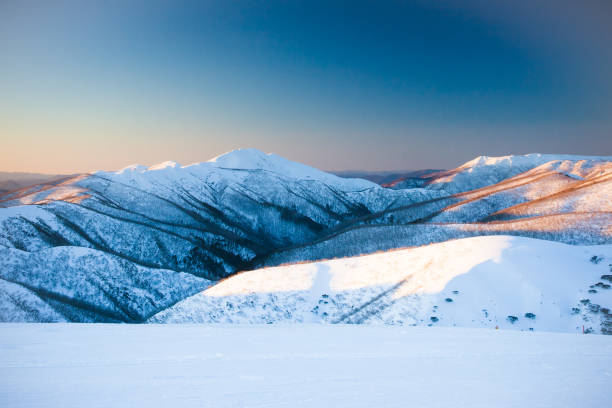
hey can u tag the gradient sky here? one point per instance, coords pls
(339, 85)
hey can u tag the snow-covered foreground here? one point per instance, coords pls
(74, 365)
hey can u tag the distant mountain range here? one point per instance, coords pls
(14, 181)
(126, 245)
(391, 178)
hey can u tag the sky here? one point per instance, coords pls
(339, 85)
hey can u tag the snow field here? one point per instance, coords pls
(106, 365)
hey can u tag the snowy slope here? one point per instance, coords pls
(566, 186)
(562, 200)
(108, 365)
(83, 284)
(574, 229)
(474, 282)
(298, 366)
(484, 170)
(18, 304)
(209, 219)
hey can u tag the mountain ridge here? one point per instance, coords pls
(248, 209)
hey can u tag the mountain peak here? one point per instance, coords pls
(253, 159)
(508, 160)
(533, 159)
(164, 165)
(245, 159)
(238, 160)
(138, 168)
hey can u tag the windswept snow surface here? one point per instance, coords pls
(106, 365)
(509, 282)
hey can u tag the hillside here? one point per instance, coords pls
(506, 282)
(209, 219)
(82, 284)
(562, 200)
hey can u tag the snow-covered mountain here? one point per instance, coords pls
(209, 219)
(562, 200)
(508, 282)
(84, 284)
(484, 170)
(191, 225)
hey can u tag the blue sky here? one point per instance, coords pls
(338, 85)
